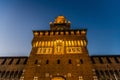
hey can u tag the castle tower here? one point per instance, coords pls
(59, 54)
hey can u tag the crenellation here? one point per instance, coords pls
(66, 32)
(59, 32)
(41, 33)
(83, 32)
(46, 33)
(77, 32)
(72, 32)
(36, 33)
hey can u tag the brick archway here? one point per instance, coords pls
(58, 78)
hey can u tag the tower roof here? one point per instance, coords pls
(60, 19)
(60, 23)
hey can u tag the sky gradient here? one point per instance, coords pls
(19, 17)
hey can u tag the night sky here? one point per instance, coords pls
(19, 17)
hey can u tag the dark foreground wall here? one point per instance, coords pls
(104, 67)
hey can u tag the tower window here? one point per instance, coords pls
(47, 62)
(36, 61)
(81, 61)
(35, 78)
(70, 62)
(58, 61)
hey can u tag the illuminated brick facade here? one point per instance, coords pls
(60, 54)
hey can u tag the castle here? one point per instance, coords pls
(60, 54)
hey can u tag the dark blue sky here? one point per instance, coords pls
(19, 17)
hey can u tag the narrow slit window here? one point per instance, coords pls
(47, 61)
(36, 61)
(58, 61)
(70, 62)
(81, 61)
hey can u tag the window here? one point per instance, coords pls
(81, 61)
(35, 78)
(69, 61)
(80, 78)
(47, 62)
(58, 61)
(69, 74)
(22, 78)
(36, 61)
(47, 74)
(95, 78)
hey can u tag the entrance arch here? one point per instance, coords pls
(58, 78)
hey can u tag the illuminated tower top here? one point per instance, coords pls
(60, 23)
